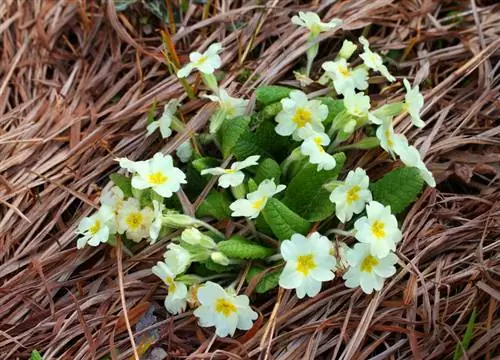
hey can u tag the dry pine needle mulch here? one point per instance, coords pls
(77, 79)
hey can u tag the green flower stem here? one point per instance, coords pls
(211, 82)
(210, 228)
(187, 87)
(332, 185)
(294, 156)
(177, 125)
(365, 144)
(311, 55)
(240, 191)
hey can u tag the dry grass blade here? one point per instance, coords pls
(77, 80)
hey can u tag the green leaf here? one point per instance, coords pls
(283, 221)
(399, 188)
(335, 106)
(231, 131)
(270, 111)
(195, 182)
(123, 182)
(216, 205)
(35, 355)
(268, 169)
(252, 185)
(239, 248)
(275, 145)
(209, 267)
(271, 93)
(306, 195)
(247, 145)
(268, 282)
(469, 331)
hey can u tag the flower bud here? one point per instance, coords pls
(347, 49)
(177, 220)
(220, 258)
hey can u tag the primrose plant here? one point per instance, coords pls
(276, 195)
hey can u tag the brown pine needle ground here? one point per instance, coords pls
(77, 80)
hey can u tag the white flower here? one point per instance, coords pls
(175, 302)
(345, 79)
(195, 237)
(177, 257)
(155, 228)
(205, 63)
(224, 310)
(165, 121)
(347, 49)
(414, 101)
(231, 106)
(357, 104)
(313, 145)
(184, 151)
(350, 198)
(114, 199)
(312, 21)
(367, 270)
(157, 173)
(373, 60)
(379, 229)
(410, 156)
(256, 201)
(309, 262)
(387, 137)
(233, 176)
(95, 228)
(298, 112)
(134, 221)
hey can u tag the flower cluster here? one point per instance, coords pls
(276, 166)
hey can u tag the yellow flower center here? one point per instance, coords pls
(225, 307)
(317, 141)
(302, 117)
(230, 111)
(353, 194)
(315, 29)
(201, 60)
(388, 137)
(157, 178)
(170, 283)
(95, 228)
(257, 204)
(378, 229)
(305, 264)
(134, 220)
(368, 263)
(344, 71)
(229, 171)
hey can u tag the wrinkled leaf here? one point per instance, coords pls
(268, 169)
(269, 94)
(231, 131)
(335, 106)
(283, 221)
(306, 195)
(123, 182)
(239, 248)
(398, 188)
(215, 205)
